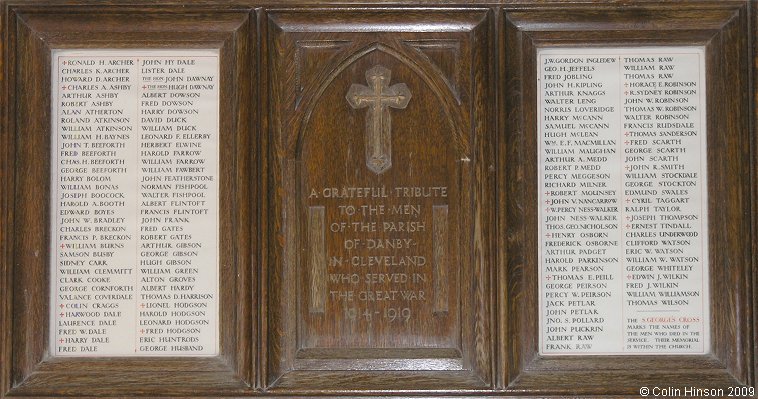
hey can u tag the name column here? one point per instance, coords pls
(579, 203)
(665, 226)
(93, 207)
(178, 190)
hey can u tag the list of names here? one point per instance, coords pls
(134, 223)
(623, 234)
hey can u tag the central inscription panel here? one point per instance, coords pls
(379, 172)
(379, 183)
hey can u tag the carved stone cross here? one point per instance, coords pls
(379, 96)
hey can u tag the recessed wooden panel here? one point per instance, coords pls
(299, 110)
(378, 266)
(379, 152)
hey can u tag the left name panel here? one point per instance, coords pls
(134, 203)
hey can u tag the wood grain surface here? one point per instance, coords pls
(429, 230)
(453, 106)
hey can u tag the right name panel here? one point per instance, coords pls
(629, 190)
(623, 232)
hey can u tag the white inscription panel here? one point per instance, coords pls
(623, 232)
(134, 223)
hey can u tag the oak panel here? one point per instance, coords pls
(393, 103)
(36, 32)
(719, 28)
(471, 62)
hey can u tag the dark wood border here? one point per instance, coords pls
(753, 76)
(519, 26)
(32, 34)
(722, 29)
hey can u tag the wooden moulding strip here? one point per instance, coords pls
(317, 258)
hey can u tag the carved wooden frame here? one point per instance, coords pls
(33, 32)
(721, 28)
(510, 33)
(352, 33)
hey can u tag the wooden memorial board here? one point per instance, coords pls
(378, 225)
(34, 365)
(379, 143)
(572, 28)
